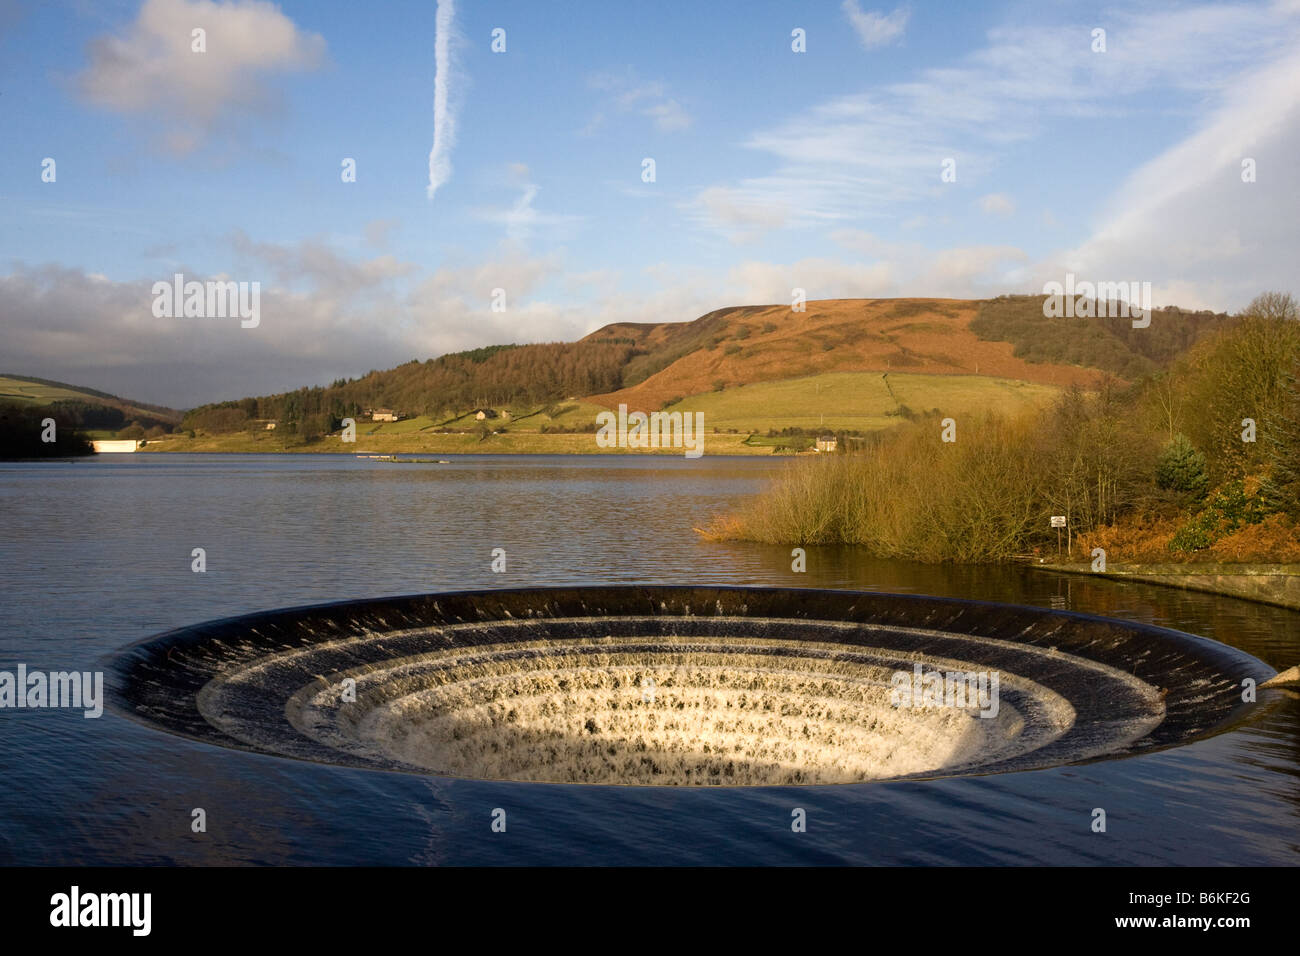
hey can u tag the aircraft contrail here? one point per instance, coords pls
(444, 118)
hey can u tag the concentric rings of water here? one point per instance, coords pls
(682, 686)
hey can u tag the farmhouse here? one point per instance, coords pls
(383, 415)
(483, 413)
(826, 443)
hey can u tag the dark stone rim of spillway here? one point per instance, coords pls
(155, 681)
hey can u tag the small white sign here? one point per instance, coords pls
(1058, 521)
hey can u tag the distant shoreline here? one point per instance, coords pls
(523, 443)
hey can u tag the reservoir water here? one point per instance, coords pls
(96, 554)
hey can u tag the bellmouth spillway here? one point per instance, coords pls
(673, 685)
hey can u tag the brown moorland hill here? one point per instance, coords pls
(650, 364)
(748, 344)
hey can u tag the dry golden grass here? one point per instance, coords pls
(916, 498)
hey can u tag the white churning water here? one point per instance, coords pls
(678, 709)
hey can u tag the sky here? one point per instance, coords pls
(1117, 156)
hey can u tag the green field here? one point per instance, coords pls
(465, 436)
(18, 390)
(859, 400)
(735, 420)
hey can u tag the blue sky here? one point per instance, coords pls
(774, 169)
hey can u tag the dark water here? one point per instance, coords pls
(96, 554)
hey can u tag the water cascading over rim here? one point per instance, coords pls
(680, 685)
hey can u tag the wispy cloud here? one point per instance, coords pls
(998, 204)
(876, 29)
(154, 69)
(867, 153)
(444, 109)
(626, 93)
(668, 115)
(522, 217)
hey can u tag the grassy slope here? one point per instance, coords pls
(39, 393)
(21, 390)
(859, 400)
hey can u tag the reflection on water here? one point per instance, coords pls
(96, 554)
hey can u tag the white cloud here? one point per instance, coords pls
(1186, 221)
(742, 216)
(767, 282)
(150, 69)
(316, 264)
(876, 29)
(864, 243)
(73, 327)
(998, 204)
(955, 272)
(451, 308)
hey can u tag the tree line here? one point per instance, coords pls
(1107, 342)
(495, 376)
(24, 428)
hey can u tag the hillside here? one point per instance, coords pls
(651, 365)
(88, 407)
(1005, 338)
(1110, 343)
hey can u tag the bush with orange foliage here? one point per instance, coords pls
(1139, 540)
(1275, 540)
